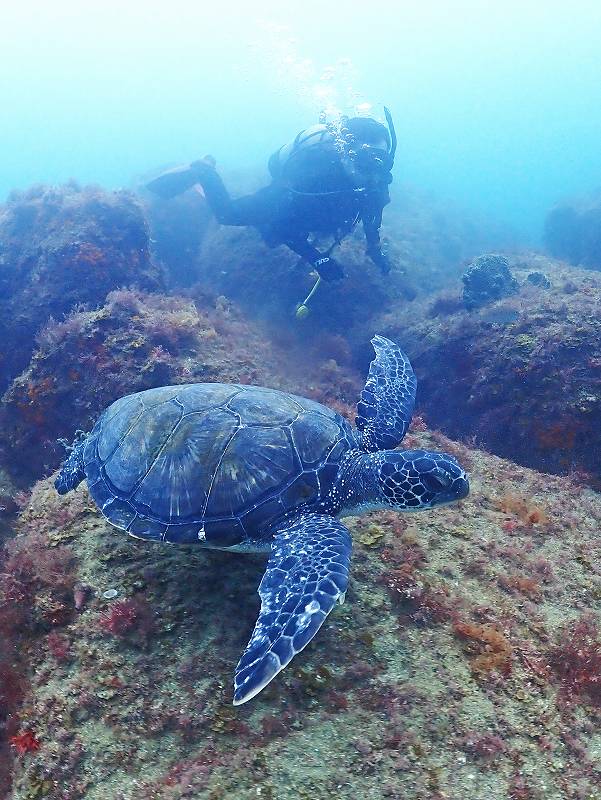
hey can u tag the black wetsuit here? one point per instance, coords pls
(310, 194)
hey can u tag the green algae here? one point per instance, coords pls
(526, 341)
(372, 535)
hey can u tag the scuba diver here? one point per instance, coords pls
(323, 183)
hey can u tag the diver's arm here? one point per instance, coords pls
(303, 248)
(372, 221)
(371, 228)
(327, 268)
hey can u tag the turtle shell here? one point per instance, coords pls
(211, 463)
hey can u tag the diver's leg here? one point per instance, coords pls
(253, 209)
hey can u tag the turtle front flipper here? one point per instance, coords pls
(386, 405)
(306, 574)
(72, 472)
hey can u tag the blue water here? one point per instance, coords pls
(498, 106)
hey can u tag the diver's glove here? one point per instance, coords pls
(380, 260)
(328, 269)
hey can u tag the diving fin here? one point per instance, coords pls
(174, 181)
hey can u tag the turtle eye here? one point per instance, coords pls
(437, 481)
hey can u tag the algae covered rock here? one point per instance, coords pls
(438, 674)
(134, 341)
(487, 279)
(60, 248)
(522, 376)
(425, 242)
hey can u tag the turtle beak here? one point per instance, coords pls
(461, 487)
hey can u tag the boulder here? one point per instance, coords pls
(62, 248)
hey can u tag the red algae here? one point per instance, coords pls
(59, 646)
(576, 661)
(522, 584)
(125, 617)
(25, 742)
(487, 647)
(526, 511)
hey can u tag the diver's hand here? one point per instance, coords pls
(383, 263)
(328, 269)
(380, 260)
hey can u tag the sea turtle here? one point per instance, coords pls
(250, 469)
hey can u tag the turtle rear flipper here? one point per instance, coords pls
(386, 406)
(306, 574)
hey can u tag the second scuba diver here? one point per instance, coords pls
(323, 183)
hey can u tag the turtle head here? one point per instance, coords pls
(413, 480)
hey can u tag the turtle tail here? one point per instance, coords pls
(72, 472)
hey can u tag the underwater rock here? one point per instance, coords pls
(487, 279)
(177, 228)
(62, 247)
(437, 675)
(573, 232)
(138, 341)
(269, 283)
(426, 241)
(135, 341)
(522, 377)
(539, 279)
(499, 315)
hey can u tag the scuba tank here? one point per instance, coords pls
(315, 139)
